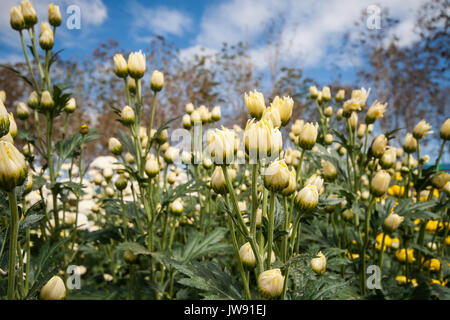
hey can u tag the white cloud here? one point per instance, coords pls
(311, 33)
(158, 20)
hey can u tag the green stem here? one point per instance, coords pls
(12, 243)
(24, 47)
(271, 226)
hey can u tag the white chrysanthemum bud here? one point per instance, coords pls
(28, 150)
(54, 289)
(46, 37)
(379, 146)
(136, 64)
(114, 146)
(270, 283)
(388, 159)
(272, 114)
(307, 198)
(348, 214)
(421, 130)
(328, 139)
(12, 126)
(445, 130)
(326, 94)
(329, 170)
(70, 106)
(54, 15)
(171, 155)
(313, 92)
(361, 130)
(4, 120)
(189, 108)
(340, 114)
(186, 157)
(392, 222)
(187, 122)
(120, 66)
(353, 121)
(247, 255)
(196, 117)
(328, 112)
(440, 180)
(221, 146)
(151, 167)
(410, 143)
(380, 183)
(28, 13)
(340, 95)
(297, 127)
(218, 181)
(284, 107)
(47, 102)
(121, 182)
(157, 81)
(131, 85)
(109, 192)
(261, 139)
(16, 19)
(33, 100)
(216, 113)
(317, 181)
(375, 112)
(129, 158)
(162, 136)
(127, 116)
(255, 104)
(176, 206)
(276, 176)
(319, 265)
(292, 186)
(13, 167)
(108, 173)
(308, 136)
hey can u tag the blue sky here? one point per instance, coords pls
(310, 38)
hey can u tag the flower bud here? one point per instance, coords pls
(131, 85)
(47, 102)
(445, 130)
(16, 19)
(136, 64)
(157, 81)
(440, 180)
(316, 181)
(273, 114)
(4, 120)
(379, 146)
(388, 159)
(403, 254)
(108, 173)
(221, 146)
(276, 176)
(410, 143)
(84, 129)
(171, 155)
(361, 130)
(54, 289)
(151, 168)
(261, 139)
(28, 150)
(189, 108)
(114, 146)
(129, 158)
(284, 107)
(270, 283)
(127, 115)
(54, 15)
(329, 170)
(12, 126)
(33, 100)
(353, 121)
(308, 136)
(313, 92)
(70, 106)
(187, 124)
(421, 130)
(319, 265)
(326, 94)
(218, 182)
(129, 257)
(120, 66)
(247, 255)
(255, 104)
(292, 186)
(340, 114)
(186, 157)
(121, 182)
(176, 206)
(216, 114)
(380, 183)
(29, 15)
(109, 192)
(162, 136)
(307, 198)
(13, 167)
(328, 139)
(348, 214)
(328, 112)
(392, 222)
(340, 95)
(375, 112)
(46, 39)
